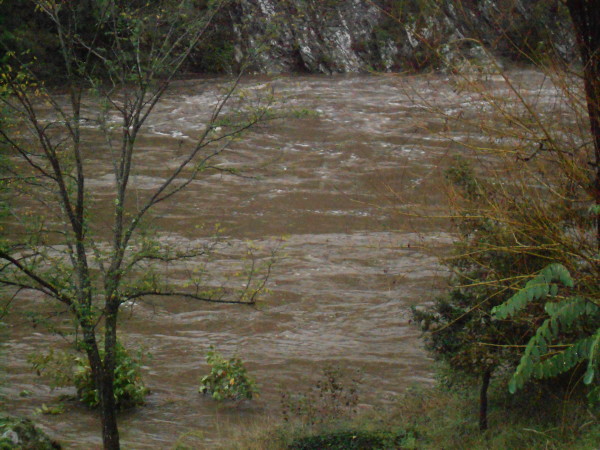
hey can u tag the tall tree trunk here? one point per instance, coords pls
(110, 431)
(103, 374)
(585, 15)
(483, 400)
(104, 382)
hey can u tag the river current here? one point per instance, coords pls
(353, 188)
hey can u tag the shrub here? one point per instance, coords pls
(129, 389)
(66, 369)
(334, 397)
(501, 242)
(228, 378)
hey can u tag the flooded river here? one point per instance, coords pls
(346, 188)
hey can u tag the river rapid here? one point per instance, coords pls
(356, 190)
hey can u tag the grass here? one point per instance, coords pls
(540, 418)
(535, 419)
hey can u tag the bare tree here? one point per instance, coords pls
(119, 59)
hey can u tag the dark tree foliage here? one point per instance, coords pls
(461, 332)
(493, 256)
(30, 35)
(33, 37)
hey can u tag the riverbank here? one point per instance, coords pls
(434, 418)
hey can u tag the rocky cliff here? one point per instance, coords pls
(325, 36)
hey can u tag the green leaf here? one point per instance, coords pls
(512, 385)
(535, 289)
(589, 375)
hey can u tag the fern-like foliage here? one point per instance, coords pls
(537, 288)
(541, 358)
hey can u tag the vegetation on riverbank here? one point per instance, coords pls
(441, 417)
(546, 415)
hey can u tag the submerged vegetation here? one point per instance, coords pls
(65, 369)
(228, 379)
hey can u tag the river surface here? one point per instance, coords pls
(353, 189)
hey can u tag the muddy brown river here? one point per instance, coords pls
(348, 189)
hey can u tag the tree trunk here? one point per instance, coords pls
(585, 15)
(483, 400)
(110, 431)
(103, 376)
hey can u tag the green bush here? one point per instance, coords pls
(66, 369)
(228, 378)
(500, 242)
(129, 389)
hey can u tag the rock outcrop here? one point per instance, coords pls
(325, 36)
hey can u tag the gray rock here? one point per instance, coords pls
(327, 36)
